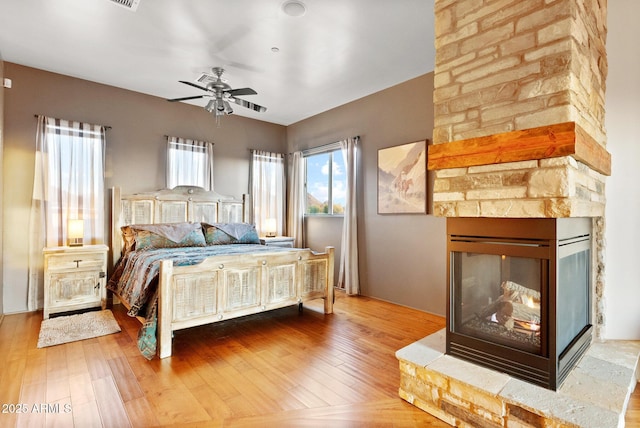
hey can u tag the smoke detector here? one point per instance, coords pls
(127, 4)
(294, 8)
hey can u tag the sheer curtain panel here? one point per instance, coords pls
(348, 278)
(189, 163)
(297, 197)
(267, 183)
(68, 184)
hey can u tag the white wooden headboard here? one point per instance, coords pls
(180, 204)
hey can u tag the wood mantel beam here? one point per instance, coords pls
(562, 139)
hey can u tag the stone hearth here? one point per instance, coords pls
(595, 394)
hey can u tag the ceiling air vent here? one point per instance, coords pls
(128, 4)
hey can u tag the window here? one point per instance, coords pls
(267, 185)
(325, 182)
(69, 180)
(189, 163)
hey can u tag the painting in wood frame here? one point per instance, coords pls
(402, 179)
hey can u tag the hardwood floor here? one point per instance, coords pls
(280, 369)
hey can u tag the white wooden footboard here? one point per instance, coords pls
(225, 287)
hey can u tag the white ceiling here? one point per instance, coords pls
(338, 51)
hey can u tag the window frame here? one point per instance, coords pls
(331, 150)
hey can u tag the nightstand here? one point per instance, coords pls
(277, 241)
(74, 278)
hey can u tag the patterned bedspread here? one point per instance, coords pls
(135, 279)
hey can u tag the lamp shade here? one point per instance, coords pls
(270, 227)
(75, 232)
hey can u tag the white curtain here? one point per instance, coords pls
(267, 184)
(297, 198)
(68, 184)
(189, 163)
(348, 278)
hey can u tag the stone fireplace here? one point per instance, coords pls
(518, 138)
(519, 135)
(519, 114)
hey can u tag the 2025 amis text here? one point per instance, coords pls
(36, 408)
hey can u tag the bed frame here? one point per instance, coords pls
(221, 287)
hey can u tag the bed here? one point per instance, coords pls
(187, 257)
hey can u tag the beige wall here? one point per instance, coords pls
(135, 155)
(622, 233)
(402, 257)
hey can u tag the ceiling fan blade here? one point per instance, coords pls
(241, 91)
(194, 85)
(187, 98)
(247, 104)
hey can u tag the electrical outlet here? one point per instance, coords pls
(7, 83)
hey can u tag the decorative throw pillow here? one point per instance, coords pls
(230, 233)
(149, 240)
(167, 235)
(129, 238)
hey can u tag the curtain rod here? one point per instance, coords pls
(325, 146)
(192, 139)
(105, 126)
(263, 150)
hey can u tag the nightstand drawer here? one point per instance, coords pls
(69, 262)
(277, 241)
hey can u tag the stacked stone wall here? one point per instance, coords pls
(505, 65)
(546, 188)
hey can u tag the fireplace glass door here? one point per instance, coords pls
(519, 296)
(498, 299)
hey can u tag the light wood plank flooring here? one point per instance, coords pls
(280, 369)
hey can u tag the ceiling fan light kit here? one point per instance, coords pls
(211, 106)
(221, 93)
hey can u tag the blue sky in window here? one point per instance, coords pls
(339, 180)
(318, 177)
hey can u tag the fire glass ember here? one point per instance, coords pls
(519, 295)
(496, 308)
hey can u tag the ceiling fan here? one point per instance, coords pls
(221, 93)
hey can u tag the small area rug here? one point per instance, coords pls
(70, 328)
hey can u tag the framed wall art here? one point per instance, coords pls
(402, 179)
